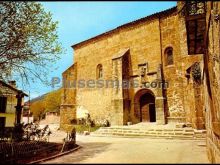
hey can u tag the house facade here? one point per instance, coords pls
(11, 100)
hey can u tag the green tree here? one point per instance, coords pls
(28, 41)
(38, 109)
(52, 101)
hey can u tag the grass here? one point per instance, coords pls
(81, 128)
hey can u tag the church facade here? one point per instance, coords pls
(171, 60)
(161, 55)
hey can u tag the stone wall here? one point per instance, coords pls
(170, 37)
(143, 41)
(146, 40)
(192, 109)
(212, 82)
(68, 97)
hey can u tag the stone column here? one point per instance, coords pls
(198, 119)
(159, 100)
(117, 93)
(19, 107)
(68, 100)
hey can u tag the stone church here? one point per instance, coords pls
(163, 48)
(174, 59)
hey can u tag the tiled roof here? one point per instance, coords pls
(11, 87)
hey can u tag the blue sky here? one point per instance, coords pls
(79, 21)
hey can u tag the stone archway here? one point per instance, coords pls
(144, 106)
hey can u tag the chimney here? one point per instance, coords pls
(12, 83)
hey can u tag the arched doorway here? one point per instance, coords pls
(145, 106)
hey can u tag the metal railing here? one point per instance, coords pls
(31, 146)
(24, 152)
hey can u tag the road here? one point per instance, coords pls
(135, 150)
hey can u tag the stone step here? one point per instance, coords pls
(165, 130)
(149, 129)
(147, 133)
(134, 133)
(179, 133)
(183, 125)
(156, 131)
(150, 135)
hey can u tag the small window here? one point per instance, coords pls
(99, 71)
(169, 56)
(3, 103)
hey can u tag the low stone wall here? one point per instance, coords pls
(51, 119)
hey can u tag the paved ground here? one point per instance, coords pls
(135, 150)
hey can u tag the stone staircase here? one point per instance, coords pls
(152, 132)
